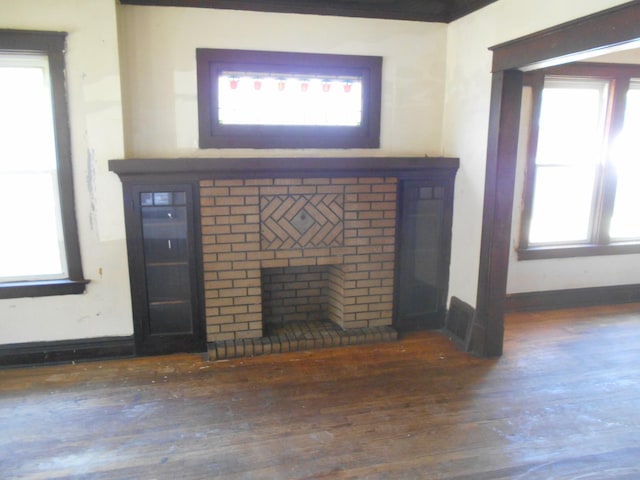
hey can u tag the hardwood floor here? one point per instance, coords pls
(562, 403)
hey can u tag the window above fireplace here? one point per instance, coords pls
(256, 99)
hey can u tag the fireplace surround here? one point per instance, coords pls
(289, 253)
(249, 225)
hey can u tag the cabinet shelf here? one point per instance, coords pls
(151, 223)
(169, 302)
(160, 264)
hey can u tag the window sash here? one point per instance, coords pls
(568, 156)
(29, 196)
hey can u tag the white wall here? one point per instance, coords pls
(465, 129)
(158, 47)
(93, 84)
(631, 55)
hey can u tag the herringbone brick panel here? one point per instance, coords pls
(301, 221)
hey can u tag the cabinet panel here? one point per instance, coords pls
(170, 317)
(168, 282)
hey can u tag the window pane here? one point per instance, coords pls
(561, 204)
(625, 223)
(572, 120)
(29, 205)
(32, 250)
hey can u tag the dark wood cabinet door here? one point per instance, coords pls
(422, 271)
(164, 269)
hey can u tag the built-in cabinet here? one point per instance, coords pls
(164, 267)
(423, 252)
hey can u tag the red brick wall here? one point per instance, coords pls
(253, 224)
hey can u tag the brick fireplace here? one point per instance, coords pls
(283, 250)
(281, 254)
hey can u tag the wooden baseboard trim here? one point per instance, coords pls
(572, 298)
(37, 353)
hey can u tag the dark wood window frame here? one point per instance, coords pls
(618, 77)
(212, 134)
(52, 44)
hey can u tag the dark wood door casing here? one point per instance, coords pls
(593, 33)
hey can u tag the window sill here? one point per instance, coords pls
(569, 251)
(42, 288)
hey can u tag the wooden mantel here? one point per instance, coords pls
(287, 167)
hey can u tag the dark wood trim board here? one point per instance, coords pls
(36, 353)
(421, 11)
(573, 298)
(459, 321)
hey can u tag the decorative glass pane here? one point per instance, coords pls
(146, 199)
(179, 198)
(625, 223)
(29, 201)
(265, 99)
(162, 198)
(562, 203)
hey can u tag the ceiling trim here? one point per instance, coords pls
(439, 11)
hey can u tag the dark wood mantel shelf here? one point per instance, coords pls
(288, 167)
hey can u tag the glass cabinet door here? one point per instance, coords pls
(164, 275)
(422, 257)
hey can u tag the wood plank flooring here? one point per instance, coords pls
(562, 403)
